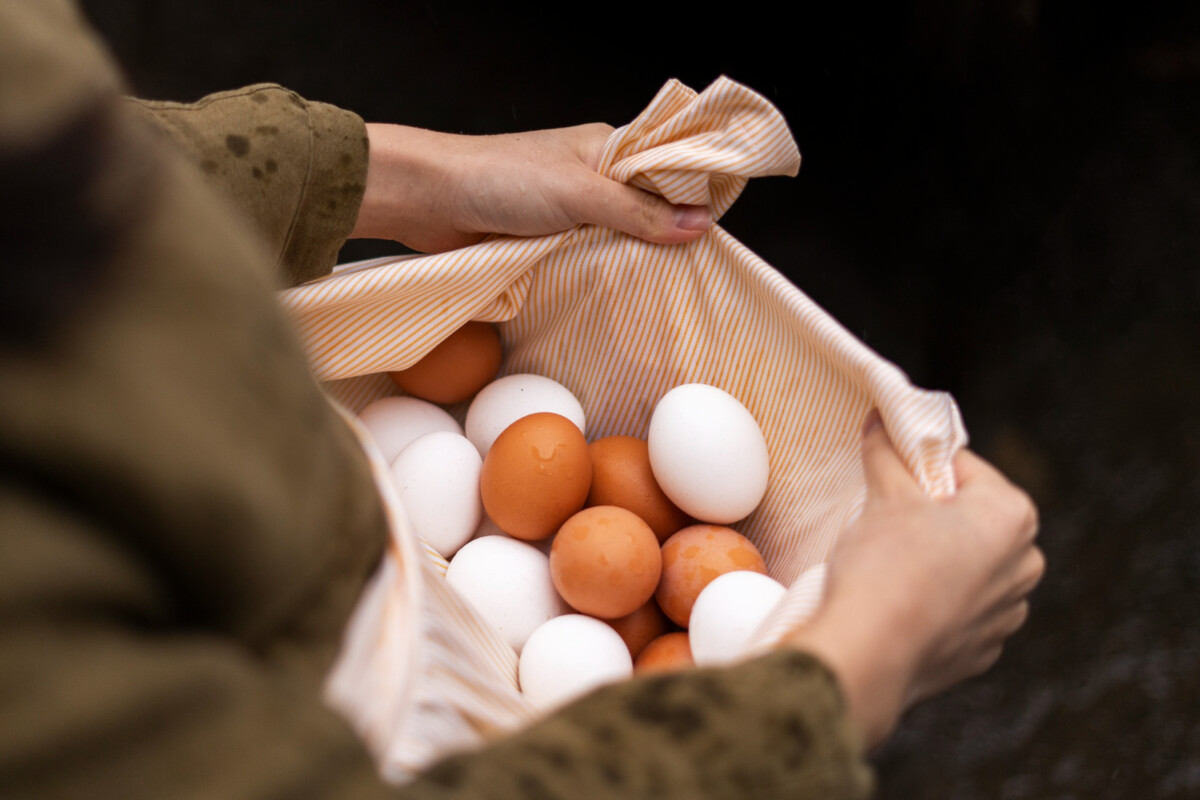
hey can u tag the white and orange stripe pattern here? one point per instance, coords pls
(618, 321)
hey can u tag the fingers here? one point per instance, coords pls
(885, 473)
(1013, 509)
(970, 468)
(1028, 574)
(627, 208)
(641, 214)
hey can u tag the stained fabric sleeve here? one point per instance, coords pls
(294, 168)
(769, 729)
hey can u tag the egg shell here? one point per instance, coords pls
(396, 422)
(605, 562)
(569, 656)
(457, 368)
(641, 627)
(727, 612)
(696, 555)
(621, 476)
(667, 653)
(535, 475)
(708, 453)
(437, 480)
(508, 582)
(505, 400)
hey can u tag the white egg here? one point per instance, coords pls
(396, 422)
(509, 582)
(504, 401)
(569, 656)
(708, 453)
(727, 612)
(437, 480)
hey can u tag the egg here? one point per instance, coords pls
(641, 627)
(668, 653)
(605, 562)
(708, 453)
(502, 402)
(621, 476)
(437, 480)
(569, 656)
(535, 475)
(727, 612)
(693, 557)
(395, 422)
(509, 583)
(457, 368)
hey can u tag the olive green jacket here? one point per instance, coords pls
(185, 524)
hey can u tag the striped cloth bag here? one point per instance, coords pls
(619, 322)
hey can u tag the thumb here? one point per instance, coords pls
(641, 214)
(885, 473)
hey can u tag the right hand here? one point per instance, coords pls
(921, 593)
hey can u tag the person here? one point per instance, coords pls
(186, 524)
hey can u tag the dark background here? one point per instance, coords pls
(1002, 196)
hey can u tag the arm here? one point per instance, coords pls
(310, 176)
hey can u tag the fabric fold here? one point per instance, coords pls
(619, 322)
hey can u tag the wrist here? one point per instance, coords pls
(404, 199)
(873, 666)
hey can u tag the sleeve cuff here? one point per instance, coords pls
(295, 169)
(332, 194)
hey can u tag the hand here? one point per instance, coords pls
(439, 191)
(922, 593)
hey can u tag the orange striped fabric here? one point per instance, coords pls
(618, 321)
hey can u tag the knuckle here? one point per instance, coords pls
(1037, 568)
(983, 660)
(1020, 512)
(650, 212)
(1020, 617)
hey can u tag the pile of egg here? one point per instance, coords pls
(592, 560)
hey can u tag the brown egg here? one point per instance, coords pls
(695, 556)
(667, 653)
(641, 627)
(457, 368)
(535, 476)
(605, 562)
(621, 476)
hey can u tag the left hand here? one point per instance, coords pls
(439, 191)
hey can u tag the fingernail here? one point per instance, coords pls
(693, 218)
(872, 422)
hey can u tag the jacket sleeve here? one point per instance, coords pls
(294, 168)
(103, 702)
(769, 729)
